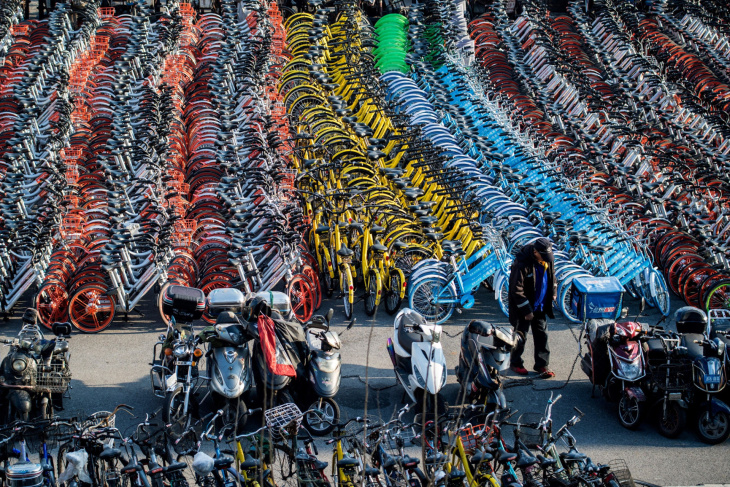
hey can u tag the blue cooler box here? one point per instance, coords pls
(597, 298)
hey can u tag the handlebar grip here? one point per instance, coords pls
(581, 413)
(254, 411)
(557, 398)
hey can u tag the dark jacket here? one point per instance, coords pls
(522, 286)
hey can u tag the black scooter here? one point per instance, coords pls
(485, 351)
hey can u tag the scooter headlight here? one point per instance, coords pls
(326, 365)
(419, 377)
(631, 370)
(181, 351)
(19, 365)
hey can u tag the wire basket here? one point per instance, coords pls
(532, 437)
(54, 378)
(470, 438)
(281, 417)
(673, 377)
(622, 473)
(394, 437)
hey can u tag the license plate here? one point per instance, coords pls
(171, 381)
(511, 5)
(712, 379)
(184, 363)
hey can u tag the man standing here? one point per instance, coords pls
(532, 290)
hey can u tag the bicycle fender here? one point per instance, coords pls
(402, 290)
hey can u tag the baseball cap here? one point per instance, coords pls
(545, 247)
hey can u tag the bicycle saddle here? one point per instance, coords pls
(348, 462)
(111, 453)
(572, 456)
(221, 463)
(408, 461)
(525, 460)
(357, 225)
(378, 247)
(251, 464)
(175, 467)
(344, 251)
(435, 459)
(481, 456)
(545, 462)
(399, 245)
(505, 456)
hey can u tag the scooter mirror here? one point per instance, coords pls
(642, 306)
(329, 315)
(351, 323)
(624, 312)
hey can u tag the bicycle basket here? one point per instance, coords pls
(280, 417)
(469, 437)
(621, 472)
(532, 437)
(53, 378)
(394, 436)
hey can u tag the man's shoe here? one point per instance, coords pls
(519, 370)
(545, 373)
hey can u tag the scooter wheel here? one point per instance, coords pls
(671, 422)
(324, 424)
(713, 428)
(629, 411)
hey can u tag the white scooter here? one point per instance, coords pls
(418, 359)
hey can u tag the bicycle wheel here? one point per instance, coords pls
(347, 292)
(501, 290)
(300, 295)
(371, 293)
(316, 286)
(423, 296)
(659, 292)
(51, 301)
(718, 297)
(91, 309)
(392, 296)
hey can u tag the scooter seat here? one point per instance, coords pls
(572, 456)
(545, 462)
(348, 462)
(251, 464)
(223, 462)
(175, 467)
(110, 454)
(406, 339)
(389, 462)
(61, 347)
(505, 456)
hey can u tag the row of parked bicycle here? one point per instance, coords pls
(417, 189)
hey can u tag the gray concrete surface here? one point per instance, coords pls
(112, 367)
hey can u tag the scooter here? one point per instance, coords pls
(323, 375)
(228, 355)
(709, 374)
(418, 360)
(35, 372)
(485, 352)
(615, 364)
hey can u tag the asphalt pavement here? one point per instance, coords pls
(112, 367)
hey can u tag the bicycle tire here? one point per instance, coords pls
(372, 288)
(346, 287)
(421, 295)
(300, 295)
(718, 297)
(392, 298)
(82, 308)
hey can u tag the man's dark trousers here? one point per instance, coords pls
(540, 338)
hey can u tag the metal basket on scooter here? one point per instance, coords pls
(283, 420)
(672, 377)
(54, 378)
